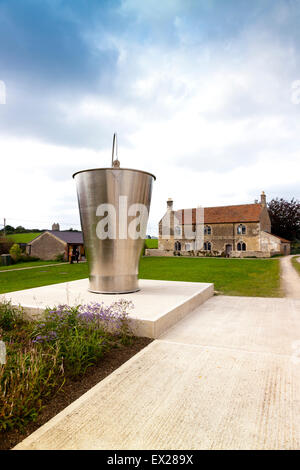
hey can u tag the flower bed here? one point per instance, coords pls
(43, 355)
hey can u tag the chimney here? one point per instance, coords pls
(169, 204)
(263, 199)
(55, 227)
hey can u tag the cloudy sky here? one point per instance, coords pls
(205, 94)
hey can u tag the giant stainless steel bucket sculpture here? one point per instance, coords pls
(114, 205)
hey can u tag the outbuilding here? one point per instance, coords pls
(51, 244)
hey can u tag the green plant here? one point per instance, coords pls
(10, 316)
(28, 259)
(81, 349)
(82, 334)
(15, 252)
(26, 378)
(60, 257)
(295, 247)
(41, 354)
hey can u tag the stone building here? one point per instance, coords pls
(232, 231)
(51, 243)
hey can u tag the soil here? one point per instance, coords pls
(73, 389)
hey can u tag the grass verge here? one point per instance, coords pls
(296, 264)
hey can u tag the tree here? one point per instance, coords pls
(9, 229)
(15, 252)
(20, 229)
(285, 218)
(5, 245)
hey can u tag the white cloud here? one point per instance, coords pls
(213, 120)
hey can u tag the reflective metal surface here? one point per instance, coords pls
(113, 263)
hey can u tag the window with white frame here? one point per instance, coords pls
(241, 230)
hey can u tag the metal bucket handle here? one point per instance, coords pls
(115, 163)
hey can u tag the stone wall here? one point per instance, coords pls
(207, 254)
(274, 244)
(221, 235)
(157, 252)
(265, 221)
(250, 254)
(285, 248)
(46, 247)
(166, 244)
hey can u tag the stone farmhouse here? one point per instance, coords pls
(232, 231)
(51, 243)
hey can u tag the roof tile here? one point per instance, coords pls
(226, 214)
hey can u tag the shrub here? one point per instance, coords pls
(295, 247)
(15, 252)
(26, 258)
(60, 257)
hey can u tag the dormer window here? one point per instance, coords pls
(207, 230)
(241, 230)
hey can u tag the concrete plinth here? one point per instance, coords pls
(157, 306)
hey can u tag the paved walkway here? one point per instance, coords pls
(39, 266)
(290, 279)
(225, 377)
(31, 267)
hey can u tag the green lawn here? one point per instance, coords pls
(151, 243)
(246, 277)
(27, 278)
(23, 237)
(296, 264)
(230, 276)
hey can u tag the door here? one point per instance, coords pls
(228, 250)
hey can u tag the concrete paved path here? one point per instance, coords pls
(290, 279)
(39, 266)
(225, 377)
(31, 267)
